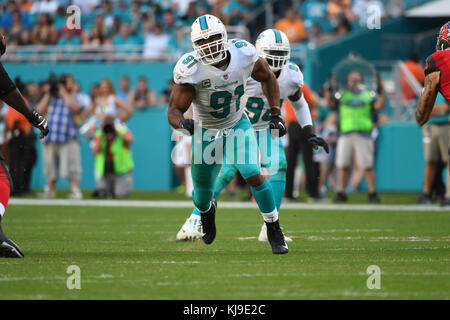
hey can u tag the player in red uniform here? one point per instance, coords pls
(437, 76)
(12, 96)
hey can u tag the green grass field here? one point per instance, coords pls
(131, 253)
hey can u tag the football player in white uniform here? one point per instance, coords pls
(272, 45)
(213, 78)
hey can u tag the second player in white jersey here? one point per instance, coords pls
(218, 92)
(290, 80)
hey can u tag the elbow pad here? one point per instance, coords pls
(302, 113)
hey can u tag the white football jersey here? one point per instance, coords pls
(218, 92)
(255, 102)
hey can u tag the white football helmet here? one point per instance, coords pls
(203, 28)
(273, 45)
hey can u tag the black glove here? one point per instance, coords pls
(187, 124)
(2, 44)
(39, 122)
(276, 123)
(314, 140)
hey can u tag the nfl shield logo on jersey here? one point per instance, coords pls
(225, 77)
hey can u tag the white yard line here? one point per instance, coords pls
(225, 205)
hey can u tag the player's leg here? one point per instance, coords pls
(444, 142)
(191, 228)
(245, 157)
(274, 159)
(8, 249)
(206, 163)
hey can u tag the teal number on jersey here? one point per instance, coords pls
(239, 43)
(221, 100)
(293, 67)
(188, 60)
(239, 91)
(255, 107)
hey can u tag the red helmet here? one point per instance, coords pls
(443, 40)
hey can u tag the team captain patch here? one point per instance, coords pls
(206, 83)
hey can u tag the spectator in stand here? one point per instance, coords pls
(93, 38)
(6, 19)
(169, 22)
(61, 148)
(314, 11)
(336, 8)
(69, 37)
(143, 97)
(156, 43)
(106, 103)
(99, 22)
(124, 91)
(16, 30)
(44, 6)
(107, 13)
(436, 142)
(412, 64)
(44, 32)
(87, 6)
(125, 43)
(292, 26)
(134, 17)
(235, 11)
(25, 5)
(343, 27)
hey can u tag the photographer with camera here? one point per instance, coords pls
(61, 148)
(113, 159)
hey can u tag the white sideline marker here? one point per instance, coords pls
(224, 205)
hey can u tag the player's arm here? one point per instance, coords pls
(429, 93)
(304, 119)
(262, 73)
(12, 96)
(180, 100)
(428, 97)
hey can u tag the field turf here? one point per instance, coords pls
(132, 254)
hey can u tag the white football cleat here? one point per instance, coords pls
(191, 230)
(263, 235)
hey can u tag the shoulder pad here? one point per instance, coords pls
(185, 68)
(245, 48)
(295, 74)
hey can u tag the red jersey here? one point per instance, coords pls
(440, 61)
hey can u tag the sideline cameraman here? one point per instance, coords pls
(113, 159)
(61, 146)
